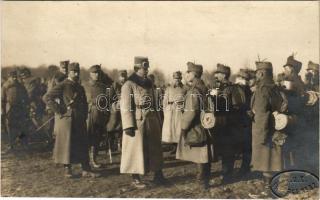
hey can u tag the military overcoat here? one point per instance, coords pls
(172, 110)
(190, 122)
(266, 156)
(68, 100)
(142, 152)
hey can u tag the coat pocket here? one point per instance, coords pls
(196, 137)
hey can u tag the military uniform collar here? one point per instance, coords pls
(145, 83)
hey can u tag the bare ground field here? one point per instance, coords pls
(32, 173)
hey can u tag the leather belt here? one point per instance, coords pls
(143, 106)
(176, 102)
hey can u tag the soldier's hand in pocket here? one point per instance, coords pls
(130, 132)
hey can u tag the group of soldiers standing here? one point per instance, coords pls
(205, 123)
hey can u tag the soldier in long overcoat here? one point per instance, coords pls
(15, 108)
(172, 109)
(99, 99)
(191, 125)
(68, 100)
(141, 142)
(267, 157)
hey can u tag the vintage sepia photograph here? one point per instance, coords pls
(160, 99)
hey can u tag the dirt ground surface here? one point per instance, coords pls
(32, 173)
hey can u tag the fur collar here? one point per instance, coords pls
(145, 83)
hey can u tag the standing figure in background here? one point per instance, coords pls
(172, 109)
(57, 78)
(69, 102)
(114, 125)
(60, 75)
(15, 109)
(242, 80)
(158, 92)
(98, 95)
(141, 142)
(312, 118)
(35, 93)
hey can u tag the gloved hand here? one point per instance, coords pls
(214, 92)
(130, 132)
(279, 138)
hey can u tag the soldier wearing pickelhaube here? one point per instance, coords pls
(172, 109)
(229, 101)
(267, 155)
(68, 100)
(243, 81)
(15, 109)
(141, 141)
(197, 151)
(99, 95)
(114, 125)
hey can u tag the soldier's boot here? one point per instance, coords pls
(87, 172)
(267, 178)
(159, 179)
(24, 141)
(136, 182)
(203, 177)
(67, 171)
(227, 170)
(93, 158)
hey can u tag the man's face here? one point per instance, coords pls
(259, 75)
(74, 75)
(252, 82)
(143, 72)
(63, 70)
(220, 76)
(313, 72)
(288, 70)
(94, 76)
(241, 81)
(13, 78)
(190, 76)
(176, 81)
(122, 79)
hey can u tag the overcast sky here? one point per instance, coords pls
(169, 33)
